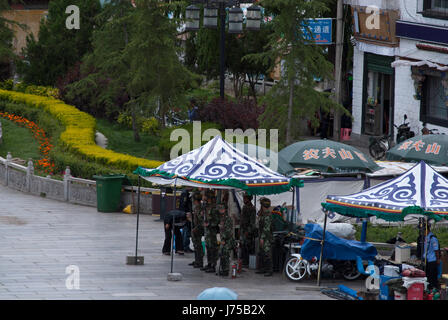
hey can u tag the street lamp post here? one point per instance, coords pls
(212, 9)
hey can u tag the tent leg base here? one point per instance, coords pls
(174, 276)
(135, 260)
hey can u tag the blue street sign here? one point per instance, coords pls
(321, 30)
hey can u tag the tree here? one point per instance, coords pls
(6, 37)
(58, 48)
(135, 61)
(294, 96)
(202, 55)
(157, 73)
(246, 44)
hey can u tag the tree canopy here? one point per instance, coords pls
(58, 48)
(135, 56)
(294, 96)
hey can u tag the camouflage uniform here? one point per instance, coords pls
(266, 234)
(248, 230)
(197, 232)
(227, 239)
(211, 243)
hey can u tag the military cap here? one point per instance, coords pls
(197, 195)
(265, 202)
(209, 193)
(248, 196)
(221, 206)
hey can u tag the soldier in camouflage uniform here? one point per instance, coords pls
(211, 222)
(266, 237)
(198, 231)
(247, 229)
(227, 239)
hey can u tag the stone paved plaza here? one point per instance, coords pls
(40, 238)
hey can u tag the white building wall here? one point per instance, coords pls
(409, 9)
(404, 85)
(358, 76)
(404, 100)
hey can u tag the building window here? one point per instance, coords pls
(434, 108)
(435, 9)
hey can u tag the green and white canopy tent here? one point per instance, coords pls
(219, 165)
(419, 191)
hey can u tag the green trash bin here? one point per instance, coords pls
(108, 191)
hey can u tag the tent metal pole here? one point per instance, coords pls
(293, 194)
(138, 216)
(426, 245)
(321, 251)
(172, 227)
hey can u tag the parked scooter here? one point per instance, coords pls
(404, 131)
(296, 268)
(378, 146)
(339, 256)
(426, 131)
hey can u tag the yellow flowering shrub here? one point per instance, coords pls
(79, 134)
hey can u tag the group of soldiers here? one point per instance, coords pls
(210, 219)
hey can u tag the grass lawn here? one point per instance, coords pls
(19, 141)
(409, 233)
(121, 140)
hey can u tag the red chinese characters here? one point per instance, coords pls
(433, 148)
(345, 154)
(328, 152)
(311, 154)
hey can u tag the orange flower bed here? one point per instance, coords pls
(44, 164)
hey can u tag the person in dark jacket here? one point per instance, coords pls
(179, 222)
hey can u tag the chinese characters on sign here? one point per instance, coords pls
(331, 153)
(419, 145)
(321, 30)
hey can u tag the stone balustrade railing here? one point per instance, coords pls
(70, 189)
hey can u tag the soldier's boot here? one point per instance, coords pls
(198, 264)
(211, 269)
(192, 264)
(206, 267)
(269, 267)
(224, 273)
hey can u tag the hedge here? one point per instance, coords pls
(78, 132)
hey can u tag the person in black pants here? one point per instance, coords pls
(186, 206)
(432, 257)
(168, 223)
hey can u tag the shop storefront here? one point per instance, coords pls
(378, 99)
(373, 76)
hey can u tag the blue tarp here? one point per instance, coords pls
(335, 248)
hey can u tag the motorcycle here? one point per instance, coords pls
(296, 268)
(378, 146)
(404, 131)
(339, 256)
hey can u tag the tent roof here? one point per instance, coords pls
(217, 164)
(420, 190)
